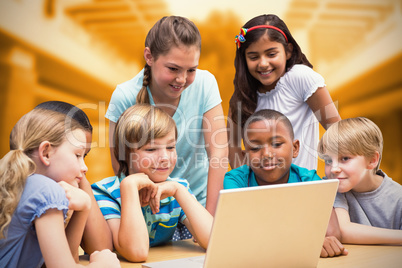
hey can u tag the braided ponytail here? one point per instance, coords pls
(143, 96)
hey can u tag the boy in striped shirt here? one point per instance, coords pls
(143, 205)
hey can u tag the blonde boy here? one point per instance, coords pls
(369, 203)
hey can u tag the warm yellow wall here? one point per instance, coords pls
(36, 78)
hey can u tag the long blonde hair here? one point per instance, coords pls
(166, 33)
(30, 131)
(136, 127)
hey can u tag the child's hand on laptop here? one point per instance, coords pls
(332, 247)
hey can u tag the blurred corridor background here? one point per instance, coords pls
(79, 50)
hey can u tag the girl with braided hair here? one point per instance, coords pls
(170, 80)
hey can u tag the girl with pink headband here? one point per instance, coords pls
(273, 73)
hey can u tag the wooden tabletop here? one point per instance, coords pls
(365, 256)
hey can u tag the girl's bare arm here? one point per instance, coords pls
(323, 107)
(236, 155)
(55, 248)
(215, 135)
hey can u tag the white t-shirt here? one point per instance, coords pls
(289, 97)
(198, 98)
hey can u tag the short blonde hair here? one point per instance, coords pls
(136, 127)
(355, 136)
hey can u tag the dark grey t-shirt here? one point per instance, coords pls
(379, 208)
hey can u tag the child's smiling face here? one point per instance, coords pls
(352, 171)
(266, 62)
(156, 159)
(270, 150)
(173, 72)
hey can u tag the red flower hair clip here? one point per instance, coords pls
(240, 38)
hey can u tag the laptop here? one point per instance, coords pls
(280, 225)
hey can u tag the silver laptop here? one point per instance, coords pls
(267, 226)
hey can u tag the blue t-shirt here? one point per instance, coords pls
(161, 226)
(21, 248)
(244, 176)
(201, 96)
